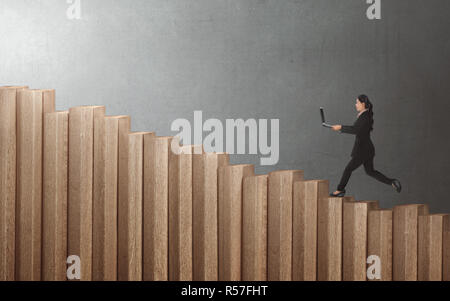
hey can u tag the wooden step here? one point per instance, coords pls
(105, 196)
(405, 240)
(80, 189)
(156, 207)
(306, 195)
(355, 217)
(205, 214)
(430, 237)
(446, 250)
(230, 219)
(8, 103)
(254, 229)
(31, 107)
(280, 206)
(380, 240)
(131, 175)
(180, 214)
(329, 235)
(54, 208)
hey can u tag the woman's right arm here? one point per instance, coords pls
(355, 129)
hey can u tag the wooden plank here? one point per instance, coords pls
(8, 100)
(104, 236)
(54, 213)
(254, 228)
(48, 100)
(405, 240)
(130, 216)
(349, 199)
(380, 240)
(31, 107)
(329, 236)
(156, 207)
(446, 250)
(430, 238)
(13, 87)
(122, 199)
(371, 205)
(81, 158)
(180, 214)
(304, 245)
(98, 203)
(279, 223)
(354, 242)
(230, 219)
(205, 210)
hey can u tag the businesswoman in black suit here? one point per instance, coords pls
(363, 150)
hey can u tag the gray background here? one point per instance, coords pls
(159, 60)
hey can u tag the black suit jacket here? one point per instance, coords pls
(363, 147)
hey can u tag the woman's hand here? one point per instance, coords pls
(337, 127)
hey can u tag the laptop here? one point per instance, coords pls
(322, 115)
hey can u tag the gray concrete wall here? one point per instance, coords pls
(158, 60)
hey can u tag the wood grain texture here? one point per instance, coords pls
(8, 99)
(430, 238)
(31, 107)
(405, 241)
(380, 240)
(105, 193)
(354, 243)
(55, 179)
(81, 160)
(446, 250)
(254, 228)
(205, 214)
(230, 219)
(130, 211)
(329, 236)
(306, 195)
(180, 214)
(48, 100)
(279, 223)
(156, 207)
(349, 199)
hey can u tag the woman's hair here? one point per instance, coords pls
(365, 100)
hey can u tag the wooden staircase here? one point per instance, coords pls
(80, 183)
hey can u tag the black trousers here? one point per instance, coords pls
(368, 166)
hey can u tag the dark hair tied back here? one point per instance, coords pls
(365, 100)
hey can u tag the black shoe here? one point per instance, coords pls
(397, 185)
(339, 195)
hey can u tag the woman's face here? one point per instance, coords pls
(360, 106)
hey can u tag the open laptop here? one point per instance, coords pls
(322, 115)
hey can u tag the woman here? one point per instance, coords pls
(363, 150)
